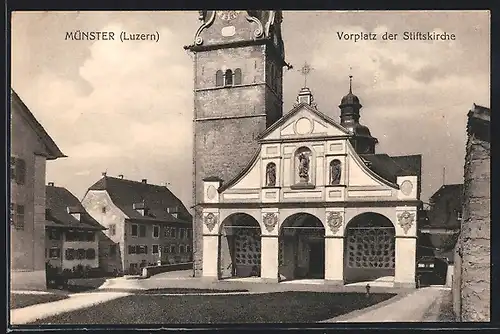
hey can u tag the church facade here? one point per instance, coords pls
(293, 196)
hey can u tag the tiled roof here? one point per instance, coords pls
(57, 201)
(125, 193)
(53, 152)
(390, 168)
(454, 189)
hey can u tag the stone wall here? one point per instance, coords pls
(474, 245)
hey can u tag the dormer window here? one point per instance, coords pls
(173, 211)
(75, 211)
(141, 208)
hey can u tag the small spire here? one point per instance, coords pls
(350, 84)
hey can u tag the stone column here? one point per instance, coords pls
(269, 260)
(211, 227)
(406, 247)
(334, 260)
(269, 246)
(334, 246)
(405, 262)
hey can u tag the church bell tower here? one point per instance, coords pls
(238, 89)
(363, 141)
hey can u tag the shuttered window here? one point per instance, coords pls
(12, 168)
(90, 254)
(18, 170)
(70, 254)
(18, 220)
(142, 231)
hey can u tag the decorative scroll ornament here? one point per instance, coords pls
(198, 40)
(210, 221)
(334, 221)
(270, 221)
(406, 220)
(260, 29)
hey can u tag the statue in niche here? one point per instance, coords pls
(271, 174)
(304, 167)
(335, 172)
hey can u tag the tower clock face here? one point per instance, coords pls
(227, 15)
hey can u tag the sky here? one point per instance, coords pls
(127, 108)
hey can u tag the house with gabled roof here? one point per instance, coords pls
(71, 234)
(146, 224)
(30, 148)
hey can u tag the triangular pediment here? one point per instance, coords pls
(303, 122)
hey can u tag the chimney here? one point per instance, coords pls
(104, 173)
(145, 181)
(120, 176)
(51, 184)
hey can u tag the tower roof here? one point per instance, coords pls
(349, 106)
(350, 98)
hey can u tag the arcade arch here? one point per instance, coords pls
(301, 249)
(239, 247)
(369, 248)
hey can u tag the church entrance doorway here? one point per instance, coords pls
(239, 247)
(302, 248)
(369, 252)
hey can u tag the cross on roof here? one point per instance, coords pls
(305, 70)
(350, 80)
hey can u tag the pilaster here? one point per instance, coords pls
(211, 228)
(269, 245)
(406, 247)
(334, 245)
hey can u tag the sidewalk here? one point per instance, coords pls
(74, 302)
(413, 307)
